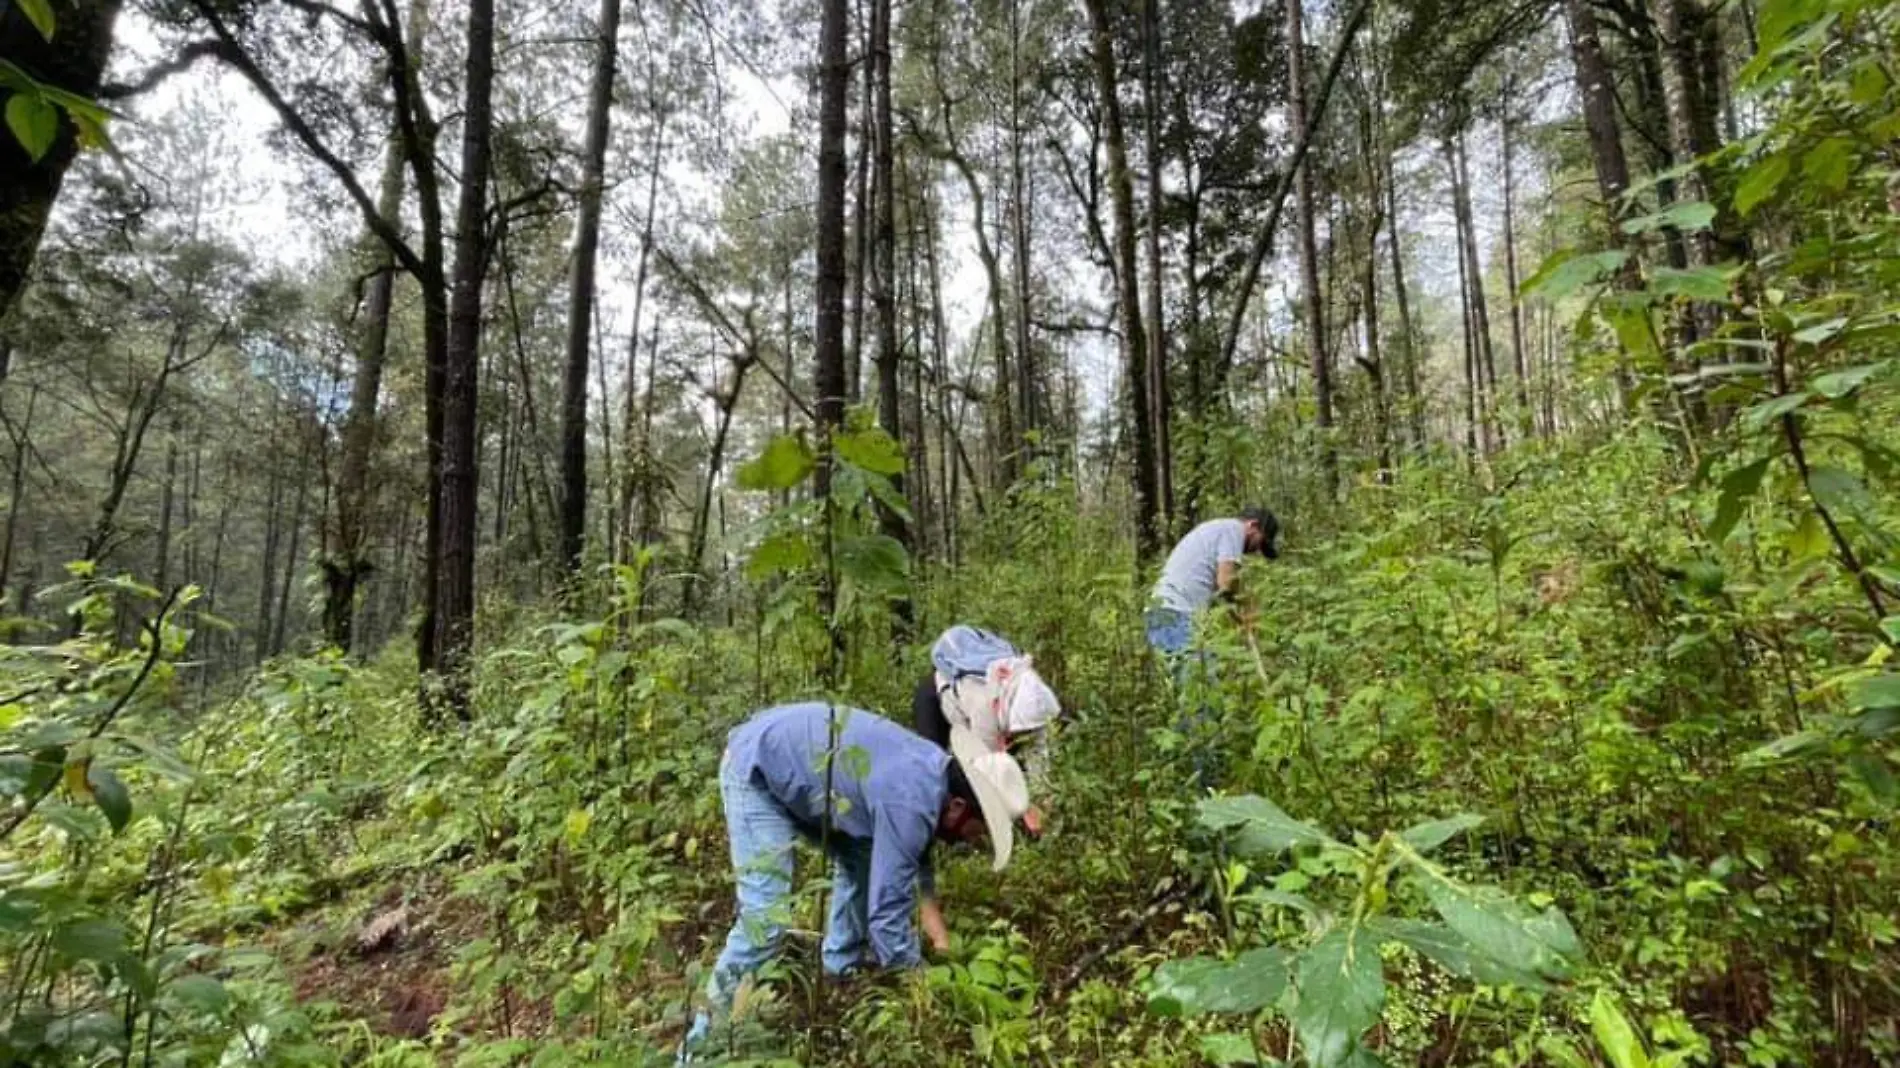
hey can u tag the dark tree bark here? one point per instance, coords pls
(455, 592)
(1525, 414)
(162, 552)
(1311, 297)
(828, 373)
(74, 60)
(1128, 297)
(1020, 191)
(20, 435)
(344, 571)
(293, 552)
(1159, 403)
(884, 251)
(1476, 310)
(634, 471)
(580, 296)
(1598, 93)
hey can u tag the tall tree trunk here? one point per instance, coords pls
(1128, 284)
(267, 571)
(1525, 414)
(1310, 294)
(162, 552)
(634, 464)
(861, 221)
(1468, 336)
(73, 60)
(884, 252)
(580, 292)
(344, 571)
(1159, 403)
(1598, 93)
(17, 475)
(1019, 180)
(828, 372)
(293, 552)
(1484, 364)
(455, 593)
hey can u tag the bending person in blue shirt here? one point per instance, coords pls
(891, 795)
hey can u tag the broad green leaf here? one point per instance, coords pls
(1450, 951)
(1881, 691)
(1697, 283)
(1614, 1033)
(871, 449)
(784, 464)
(1504, 930)
(1777, 18)
(1226, 1047)
(1566, 272)
(1785, 746)
(1263, 827)
(1837, 384)
(34, 122)
(1808, 541)
(96, 940)
(1773, 408)
(160, 760)
(1196, 985)
(111, 796)
(40, 14)
(780, 552)
(1817, 333)
(1830, 164)
(1426, 837)
(1690, 215)
(1738, 486)
(875, 561)
(1868, 83)
(1297, 902)
(1872, 770)
(1635, 332)
(1890, 626)
(1760, 182)
(1837, 487)
(1341, 990)
(48, 763)
(199, 992)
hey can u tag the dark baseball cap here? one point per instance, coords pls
(1269, 529)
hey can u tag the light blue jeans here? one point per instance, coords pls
(1171, 635)
(762, 835)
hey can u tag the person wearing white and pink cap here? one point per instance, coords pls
(983, 684)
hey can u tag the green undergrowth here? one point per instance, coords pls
(1563, 661)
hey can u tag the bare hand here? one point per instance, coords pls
(1032, 821)
(930, 918)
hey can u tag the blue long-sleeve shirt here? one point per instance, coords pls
(888, 787)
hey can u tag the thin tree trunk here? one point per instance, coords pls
(580, 293)
(1311, 295)
(633, 467)
(884, 254)
(295, 550)
(267, 573)
(860, 223)
(455, 595)
(1476, 309)
(1468, 335)
(1597, 92)
(1159, 402)
(828, 372)
(162, 552)
(1525, 414)
(1019, 227)
(1128, 303)
(17, 474)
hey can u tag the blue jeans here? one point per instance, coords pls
(1171, 636)
(762, 834)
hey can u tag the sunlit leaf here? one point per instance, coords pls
(1689, 216)
(871, 449)
(1709, 284)
(34, 122)
(875, 561)
(1837, 384)
(1504, 930)
(784, 464)
(1263, 826)
(1428, 836)
(1226, 1047)
(1566, 272)
(1760, 182)
(40, 14)
(1817, 333)
(780, 552)
(1452, 952)
(1830, 164)
(1881, 691)
(1614, 1034)
(1197, 985)
(1341, 990)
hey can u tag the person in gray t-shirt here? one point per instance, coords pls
(1202, 566)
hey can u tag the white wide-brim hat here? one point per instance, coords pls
(1002, 791)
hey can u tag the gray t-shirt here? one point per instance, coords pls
(1190, 577)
